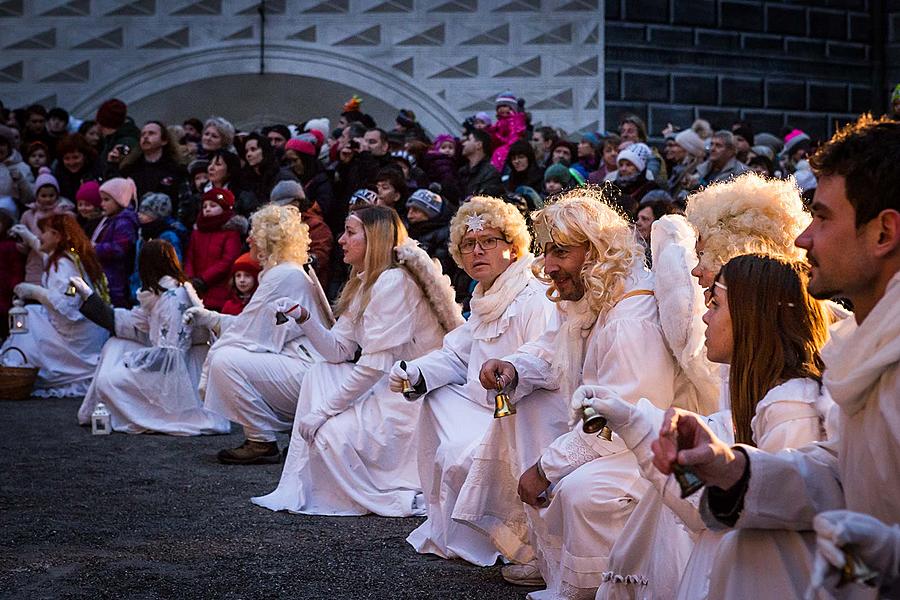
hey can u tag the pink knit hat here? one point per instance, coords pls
(89, 192)
(123, 190)
(45, 177)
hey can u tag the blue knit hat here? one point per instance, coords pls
(426, 201)
(507, 98)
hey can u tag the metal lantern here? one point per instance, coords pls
(100, 420)
(18, 317)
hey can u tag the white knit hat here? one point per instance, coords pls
(691, 142)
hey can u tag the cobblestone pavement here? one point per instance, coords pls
(153, 516)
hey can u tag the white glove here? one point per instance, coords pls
(398, 375)
(310, 424)
(285, 304)
(30, 291)
(582, 397)
(81, 287)
(200, 317)
(28, 238)
(876, 544)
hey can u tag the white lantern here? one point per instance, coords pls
(18, 321)
(100, 420)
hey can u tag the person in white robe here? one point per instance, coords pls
(254, 370)
(353, 445)
(611, 336)
(853, 246)
(63, 344)
(758, 305)
(489, 239)
(151, 388)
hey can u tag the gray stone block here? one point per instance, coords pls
(671, 36)
(694, 12)
(786, 20)
(645, 86)
(719, 118)
(742, 92)
(625, 33)
(806, 48)
(647, 11)
(828, 24)
(860, 28)
(845, 51)
(785, 94)
(718, 40)
(828, 98)
(695, 89)
(763, 43)
(743, 16)
(680, 116)
(769, 121)
(612, 79)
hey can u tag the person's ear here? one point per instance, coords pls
(887, 228)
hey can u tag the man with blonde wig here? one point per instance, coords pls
(583, 487)
(489, 240)
(254, 370)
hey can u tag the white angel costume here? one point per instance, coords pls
(457, 411)
(254, 370)
(60, 341)
(153, 388)
(363, 458)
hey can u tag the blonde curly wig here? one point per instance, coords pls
(747, 215)
(497, 214)
(582, 216)
(280, 235)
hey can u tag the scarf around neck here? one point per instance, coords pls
(488, 306)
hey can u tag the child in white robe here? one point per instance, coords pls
(150, 388)
(353, 447)
(60, 341)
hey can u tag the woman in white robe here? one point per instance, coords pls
(253, 372)
(60, 341)
(353, 446)
(151, 388)
(757, 298)
(489, 239)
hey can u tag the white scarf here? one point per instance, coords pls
(489, 305)
(857, 356)
(571, 341)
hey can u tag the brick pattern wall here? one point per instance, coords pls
(805, 64)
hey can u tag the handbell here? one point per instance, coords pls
(280, 318)
(71, 291)
(502, 405)
(856, 571)
(407, 388)
(592, 422)
(687, 480)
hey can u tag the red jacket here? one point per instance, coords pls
(209, 257)
(321, 241)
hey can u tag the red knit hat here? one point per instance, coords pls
(220, 196)
(112, 113)
(245, 262)
(320, 137)
(89, 192)
(301, 146)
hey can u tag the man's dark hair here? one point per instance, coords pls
(194, 122)
(485, 138)
(357, 130)
(36, 109)
(866, 154)
(382, 134)
(394, 176)
(548, 133)
(58, 113)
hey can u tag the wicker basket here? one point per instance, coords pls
(16, 382)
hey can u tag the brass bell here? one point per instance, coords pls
(856, 571)
(71, 291)
(592, 422)
(687, 480)
(502, 405)
(407, 390)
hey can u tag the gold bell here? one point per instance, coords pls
(407, 390)
(592, 422)
(502, 406)
(71, 291)
(687, 480)
(856, 571)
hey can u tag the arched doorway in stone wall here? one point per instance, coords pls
(299, 84)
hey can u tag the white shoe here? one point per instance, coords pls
(525, 575)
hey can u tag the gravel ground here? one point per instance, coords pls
(152, 516)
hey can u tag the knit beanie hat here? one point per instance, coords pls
(507, 98)
(301, 146)
(633, 156)
(220, 196)
(286, 192)
(483, 116)
(121, 189)
(315, 136)
(426, 201)
(198, 166)
(406, 118)
(444, 137)
(405, 156)
(794, 141)
(112, 113)
(745, 132)
(322, 125)
(363, 196)
(691, 142)
(767, 139)
(559, 172)
(763, 151)
(89, 192)
(45, 177)
(156, 205)
(246, 262)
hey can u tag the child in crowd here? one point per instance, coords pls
(441, 164)
(631, 177)
(115, 237)
(46, 202)
(557, 178)
(215, 244)
(150, 387)
(244, 281)
(37, 156)
(430, 227)
(13, 271)
(189, 202)
(510, 125)
(87, 201)
(156, 222)
(60, 341)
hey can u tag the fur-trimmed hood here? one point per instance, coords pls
(433, 283)
(237, 223)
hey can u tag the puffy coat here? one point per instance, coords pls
(209, 257)
(114, 241)
(504, 133)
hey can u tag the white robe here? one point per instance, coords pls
(61, 342)
(596, 484)
(457, 412)
(859, 471)
(153, 389)
(256, 367)
(363, 459)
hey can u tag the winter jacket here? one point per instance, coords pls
(321, 242)
(434, 237)
(209, 257)
(12, 274)
(69, 182)
(319, 191)
(504, 133)
(128, 134)
(442, 169)
(632, 192)
(732, 168)
(480, 180)
(114, 241)
(164, 176)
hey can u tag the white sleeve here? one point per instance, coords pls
(391, 320)
(335, 345)
(532, 364)
(449, 363)
(132, 324)
(788, 424)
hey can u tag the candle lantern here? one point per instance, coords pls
(18, 317)
(100, 420)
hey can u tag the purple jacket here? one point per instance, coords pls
(114, 243)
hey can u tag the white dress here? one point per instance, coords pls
(255, 368)
(597, 484)
(153, 388)
(457, 412)
(61, 342)
(363, 459)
